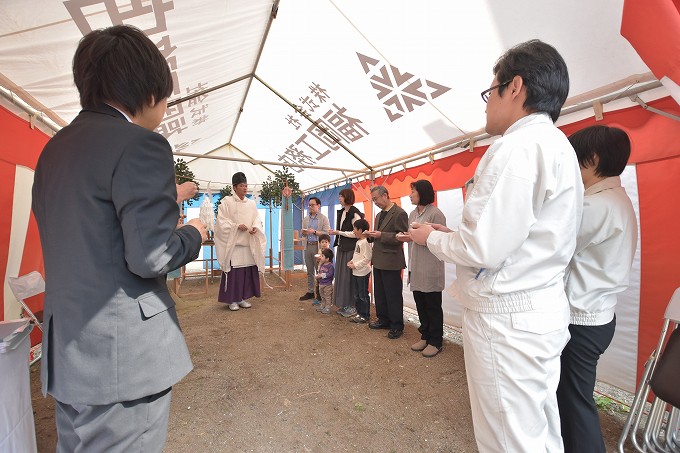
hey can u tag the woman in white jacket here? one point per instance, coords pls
(599, 270)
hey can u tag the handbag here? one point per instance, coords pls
(664, 382)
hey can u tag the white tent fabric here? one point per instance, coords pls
(386, 78)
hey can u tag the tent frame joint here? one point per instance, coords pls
(654, 110)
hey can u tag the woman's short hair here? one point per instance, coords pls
(120, 64)
(610, 145)
(425, 191)
(348, 195)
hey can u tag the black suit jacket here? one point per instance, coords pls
(104, 198)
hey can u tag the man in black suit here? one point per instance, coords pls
(104, 197)
(388, 262)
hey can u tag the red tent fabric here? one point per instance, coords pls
(653, 28)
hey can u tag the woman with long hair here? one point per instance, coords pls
(345, 242)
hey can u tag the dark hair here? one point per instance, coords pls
(120, 64)
(324, 237)
(543, 72)
(318, 201)
(328, 253)
(610, 145)
(425, 191)
(361, 225)
(348, 195)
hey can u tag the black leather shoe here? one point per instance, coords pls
(378, 325)
(307, 296)
(393, 334)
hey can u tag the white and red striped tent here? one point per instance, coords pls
(395, 87)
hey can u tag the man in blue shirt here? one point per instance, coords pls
(313, 225)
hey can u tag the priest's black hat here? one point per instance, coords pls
(238, 178)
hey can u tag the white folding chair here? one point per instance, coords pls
(657, 430)
(23, 287)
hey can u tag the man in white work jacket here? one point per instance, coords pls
(516, 238)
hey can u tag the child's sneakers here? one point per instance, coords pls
(347, 312)
(316, 302)
(325, 310)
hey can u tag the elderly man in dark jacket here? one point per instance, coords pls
(388, 262)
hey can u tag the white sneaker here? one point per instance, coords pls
(244, 304)
(233, 306)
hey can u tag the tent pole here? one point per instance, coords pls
(262, 162)
(208, 90)
(272, 16)
(271, 238)
(32, 113)
(314, 122)
(654, 110)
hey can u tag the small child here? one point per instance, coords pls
(325, 278)
(324, 243)
(361, 270)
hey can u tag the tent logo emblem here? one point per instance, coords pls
(400, 92)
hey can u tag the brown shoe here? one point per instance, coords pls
(419, 346)
(431, 351)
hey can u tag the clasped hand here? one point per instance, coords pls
(243, 227)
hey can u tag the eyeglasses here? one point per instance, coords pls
(485, 94)
(311, 205)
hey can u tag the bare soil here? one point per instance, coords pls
(281, 377)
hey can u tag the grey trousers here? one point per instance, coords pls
(310, 262)
(140, 425)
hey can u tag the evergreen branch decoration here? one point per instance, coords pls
(272, 188)
(184, 174)
(225, 192)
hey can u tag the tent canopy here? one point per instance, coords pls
(374, 84)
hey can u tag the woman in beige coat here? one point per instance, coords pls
(426, 272)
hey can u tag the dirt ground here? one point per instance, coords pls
(280, 377)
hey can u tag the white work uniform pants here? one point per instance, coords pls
(512, 363)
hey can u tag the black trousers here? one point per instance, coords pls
(389, 303)
(431, 316)
(578, 413)
(362, 301)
